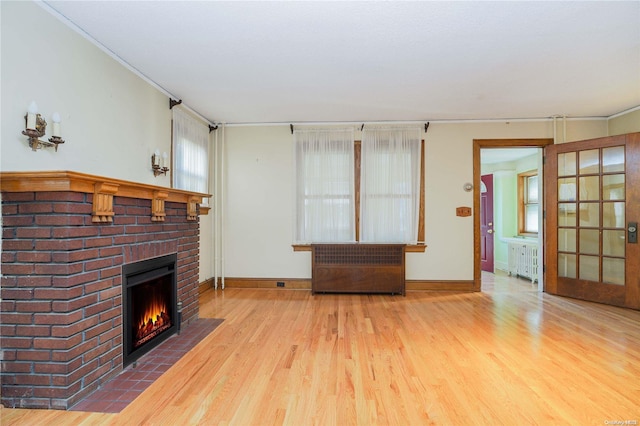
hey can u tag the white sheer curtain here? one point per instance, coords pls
(390, 185)
(324, 186)
(190, 153)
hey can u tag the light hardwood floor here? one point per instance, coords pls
(507, 355)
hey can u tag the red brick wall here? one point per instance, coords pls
(61, 289)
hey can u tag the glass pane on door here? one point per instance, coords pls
(567, 189)
(566, 265)
(613, 215)
(589, 162)
(589, 241)
(613, 187)
(589, 268)
(613, 159)
(613, 271)
(567, 240)
(567, 164)
(613, 243)
(566, 214)
(590, 188)
(591, 215)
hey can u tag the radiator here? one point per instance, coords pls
(358, 268)
(523, 259)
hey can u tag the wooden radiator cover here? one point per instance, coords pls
(358, 268)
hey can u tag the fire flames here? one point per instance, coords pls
(153, 322)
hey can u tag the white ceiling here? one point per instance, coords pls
(504, 155)
(281, 62)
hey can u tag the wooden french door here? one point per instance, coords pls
(592, 197)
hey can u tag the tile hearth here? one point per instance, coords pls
(116, 394)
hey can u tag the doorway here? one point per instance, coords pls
(501, 228)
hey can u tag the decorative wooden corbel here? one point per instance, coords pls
(103, 201)
(157, 206)
(192, 208)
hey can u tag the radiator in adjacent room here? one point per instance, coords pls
(523, 259)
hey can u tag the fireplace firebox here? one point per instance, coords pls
(150, 306)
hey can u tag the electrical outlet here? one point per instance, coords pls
(280, 283)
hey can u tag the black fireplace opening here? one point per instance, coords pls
(150, 305)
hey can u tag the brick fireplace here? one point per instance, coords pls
(65, 239)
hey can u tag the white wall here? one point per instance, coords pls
(112, 120)
(206, 247)
(259, 208)
(449, 164)
(505, 214)
(625, 123)
(259, 205)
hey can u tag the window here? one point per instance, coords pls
(528, 202)
(390, 185)
(347, 193)
(325, 193)
(190, 152)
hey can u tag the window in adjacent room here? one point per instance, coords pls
(190, 152)
(528, 203)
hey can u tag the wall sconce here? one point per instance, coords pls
(36, 128)
(159, 165)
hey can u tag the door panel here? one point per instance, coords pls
(592, 193)
(486, 223)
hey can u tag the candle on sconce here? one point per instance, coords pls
(156, 158)
(31, 115)
(164, 159)
(55, 131)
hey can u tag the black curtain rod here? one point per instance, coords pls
(173, 103)
(426, 126)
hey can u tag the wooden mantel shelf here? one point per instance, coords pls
(104, 189)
